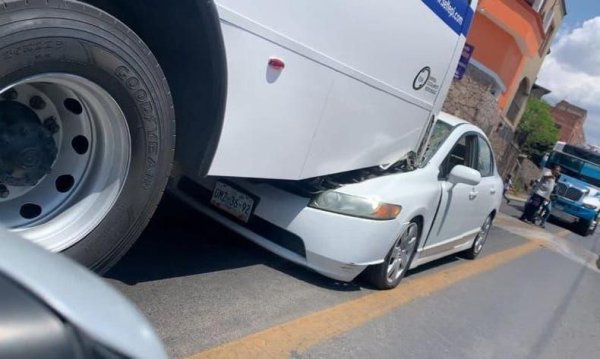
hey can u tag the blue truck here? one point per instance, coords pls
(578, 188)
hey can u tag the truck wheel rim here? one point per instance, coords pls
(401, 253)
(83, 172)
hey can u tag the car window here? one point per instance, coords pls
(440, 133)
(461, 154)
(485, 160)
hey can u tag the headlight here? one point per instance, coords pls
(355, 206)
(589, 206)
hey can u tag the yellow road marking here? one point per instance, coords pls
(307, 331)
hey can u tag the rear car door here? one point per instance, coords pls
(488, 190)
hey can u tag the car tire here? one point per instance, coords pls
(98, 76)
(389, 274)
(480, 239)
(583, 227)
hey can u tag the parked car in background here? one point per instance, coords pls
(385, 219)
(51, 307)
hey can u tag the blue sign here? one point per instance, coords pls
(465, 58)
(457, 14)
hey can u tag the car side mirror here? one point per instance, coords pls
(64, 310)
(465, 175)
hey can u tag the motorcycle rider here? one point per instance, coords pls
(541, 193)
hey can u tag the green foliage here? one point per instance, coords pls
(539, 128)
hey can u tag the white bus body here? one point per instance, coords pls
(104, 104)
(362, 82)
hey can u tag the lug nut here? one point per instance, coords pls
(4, 191)
(37, 103)
(51, 125)
(10, 95)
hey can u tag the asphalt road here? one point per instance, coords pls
(210, 293)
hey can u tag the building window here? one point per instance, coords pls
(537, 5)
(519, 102)
(548, 21)
(544, 46)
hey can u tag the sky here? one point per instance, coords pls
(572, 70)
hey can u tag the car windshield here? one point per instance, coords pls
(441, 131)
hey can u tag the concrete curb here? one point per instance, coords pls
(516, 198)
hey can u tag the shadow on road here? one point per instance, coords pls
(519, 207)
(435, 264)
(180, 242)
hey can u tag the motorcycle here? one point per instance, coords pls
(541, 213)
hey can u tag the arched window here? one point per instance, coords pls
(519, 101)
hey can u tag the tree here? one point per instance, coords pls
(538, 130)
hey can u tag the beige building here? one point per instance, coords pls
(552, 13)
(511, 39)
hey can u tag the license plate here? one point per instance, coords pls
(232, 201)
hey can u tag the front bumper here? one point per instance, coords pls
(572, 211)
(337, 246)
(564, 216)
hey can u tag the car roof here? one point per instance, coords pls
(451, 119)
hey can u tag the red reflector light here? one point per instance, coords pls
(276, 63)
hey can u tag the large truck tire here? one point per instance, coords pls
(87, 132)
(584, 227)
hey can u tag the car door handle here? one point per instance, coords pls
(473, 195)
(492, 191)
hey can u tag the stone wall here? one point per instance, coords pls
(473, 100)
(527, 172)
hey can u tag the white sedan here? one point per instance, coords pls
(382, 220)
